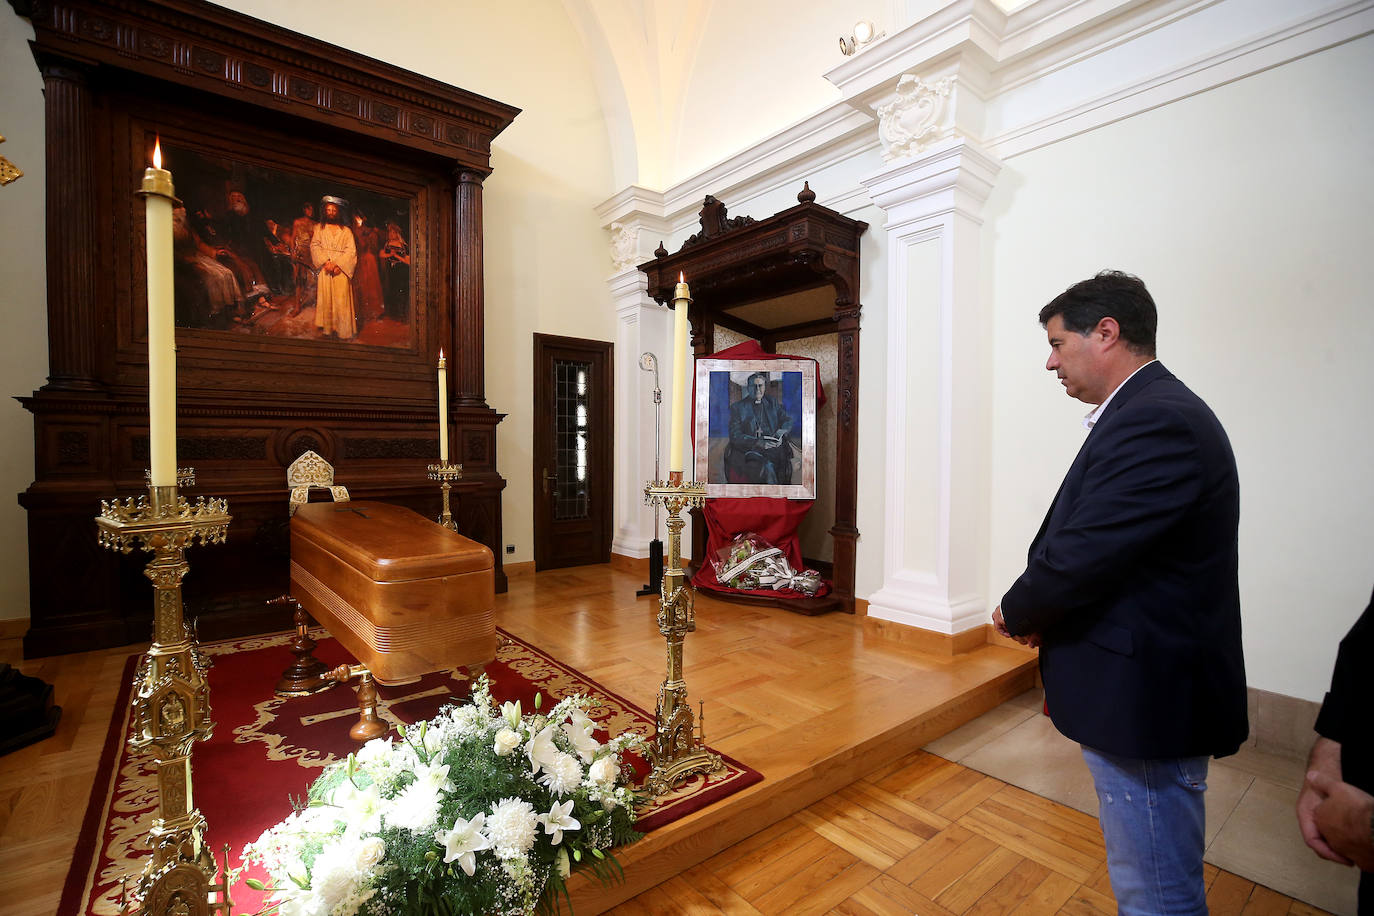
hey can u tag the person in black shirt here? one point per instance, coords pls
(1336, 807)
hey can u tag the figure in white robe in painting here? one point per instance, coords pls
(335, 256)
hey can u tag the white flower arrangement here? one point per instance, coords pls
(480, 810)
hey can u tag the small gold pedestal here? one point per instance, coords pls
(676, 752)
(171, 702)
(445, 472)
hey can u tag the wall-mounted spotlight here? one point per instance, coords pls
(864, 33)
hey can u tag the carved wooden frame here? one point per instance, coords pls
(116, 70)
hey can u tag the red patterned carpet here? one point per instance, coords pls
(266, 750)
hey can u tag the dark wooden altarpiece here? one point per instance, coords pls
(793, 275)
(118, 72)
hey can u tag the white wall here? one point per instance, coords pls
(1246, 211)
(23, 299)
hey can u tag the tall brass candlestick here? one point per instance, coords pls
(676, 751)
(171, 701)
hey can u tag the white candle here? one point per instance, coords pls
(443, 409)
(158, 195)
(682, 297)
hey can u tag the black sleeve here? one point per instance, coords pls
(1345, 715)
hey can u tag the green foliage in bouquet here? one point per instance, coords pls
(478, 811)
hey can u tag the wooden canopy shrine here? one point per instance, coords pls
(793, 275)
(234, 90)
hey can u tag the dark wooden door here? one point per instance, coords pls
(573, 418)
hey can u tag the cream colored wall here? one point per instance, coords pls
(759, 68)
(546, 256)
(1246, 211)
(23, 298)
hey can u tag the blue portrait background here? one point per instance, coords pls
(722, 396)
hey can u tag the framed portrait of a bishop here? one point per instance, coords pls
(755, 427)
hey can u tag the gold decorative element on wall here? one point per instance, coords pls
(8, 170)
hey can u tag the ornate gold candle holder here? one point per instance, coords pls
(171, 698)
(676, 751)
(445, 472)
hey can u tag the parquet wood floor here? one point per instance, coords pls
(925, 836)
(850, 818)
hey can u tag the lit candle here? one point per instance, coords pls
(158, 195)
(443, 409)
(682, 297)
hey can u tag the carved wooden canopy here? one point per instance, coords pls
(733, 263)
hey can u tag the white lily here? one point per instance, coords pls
(541, 749)
(582, 740)
(463, 842)
(559, 819)
(511, 713)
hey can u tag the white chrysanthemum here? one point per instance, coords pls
(374, 753)
(333, 875)
(467, 719)
(562, 773)
(511, 827)
(605, 771)
(416, 808)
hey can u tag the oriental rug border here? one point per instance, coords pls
(123, 797)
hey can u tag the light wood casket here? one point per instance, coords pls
(404, 595)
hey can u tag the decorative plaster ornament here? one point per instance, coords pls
(911, 121)
(624, 246)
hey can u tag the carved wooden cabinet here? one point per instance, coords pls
(116, 74)
(792, 276)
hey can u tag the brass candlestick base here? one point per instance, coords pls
(445, 472)
(171, 701)
(676, 752)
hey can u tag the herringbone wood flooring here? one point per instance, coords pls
(924, 836)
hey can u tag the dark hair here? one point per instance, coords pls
(750, 380)
(1110, 294)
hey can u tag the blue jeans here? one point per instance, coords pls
(1152, 821)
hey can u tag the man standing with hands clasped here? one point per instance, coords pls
(1130, 591)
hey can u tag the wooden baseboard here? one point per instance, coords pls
(14, 628)
(637, 565)
(947, 644)
(860, 607)
(518, 569)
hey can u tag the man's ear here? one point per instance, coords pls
(1108, 331)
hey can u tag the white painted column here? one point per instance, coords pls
(634, 219)
(641, 326)
(938, 387)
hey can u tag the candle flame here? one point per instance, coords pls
(441, 352)
(157, 152)
(680, 277)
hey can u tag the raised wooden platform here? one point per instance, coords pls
(814, 703)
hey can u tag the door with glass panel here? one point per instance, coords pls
(572, 451)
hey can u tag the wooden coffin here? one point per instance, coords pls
(404, 595)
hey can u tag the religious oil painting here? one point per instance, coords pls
(271, 253)
(755, 427)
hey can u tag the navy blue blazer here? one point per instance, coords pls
(1132, 581)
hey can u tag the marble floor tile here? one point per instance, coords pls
(976, 733)
(1226, 786)
(1037, 758)
(1279, 769)
(1260, 842)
